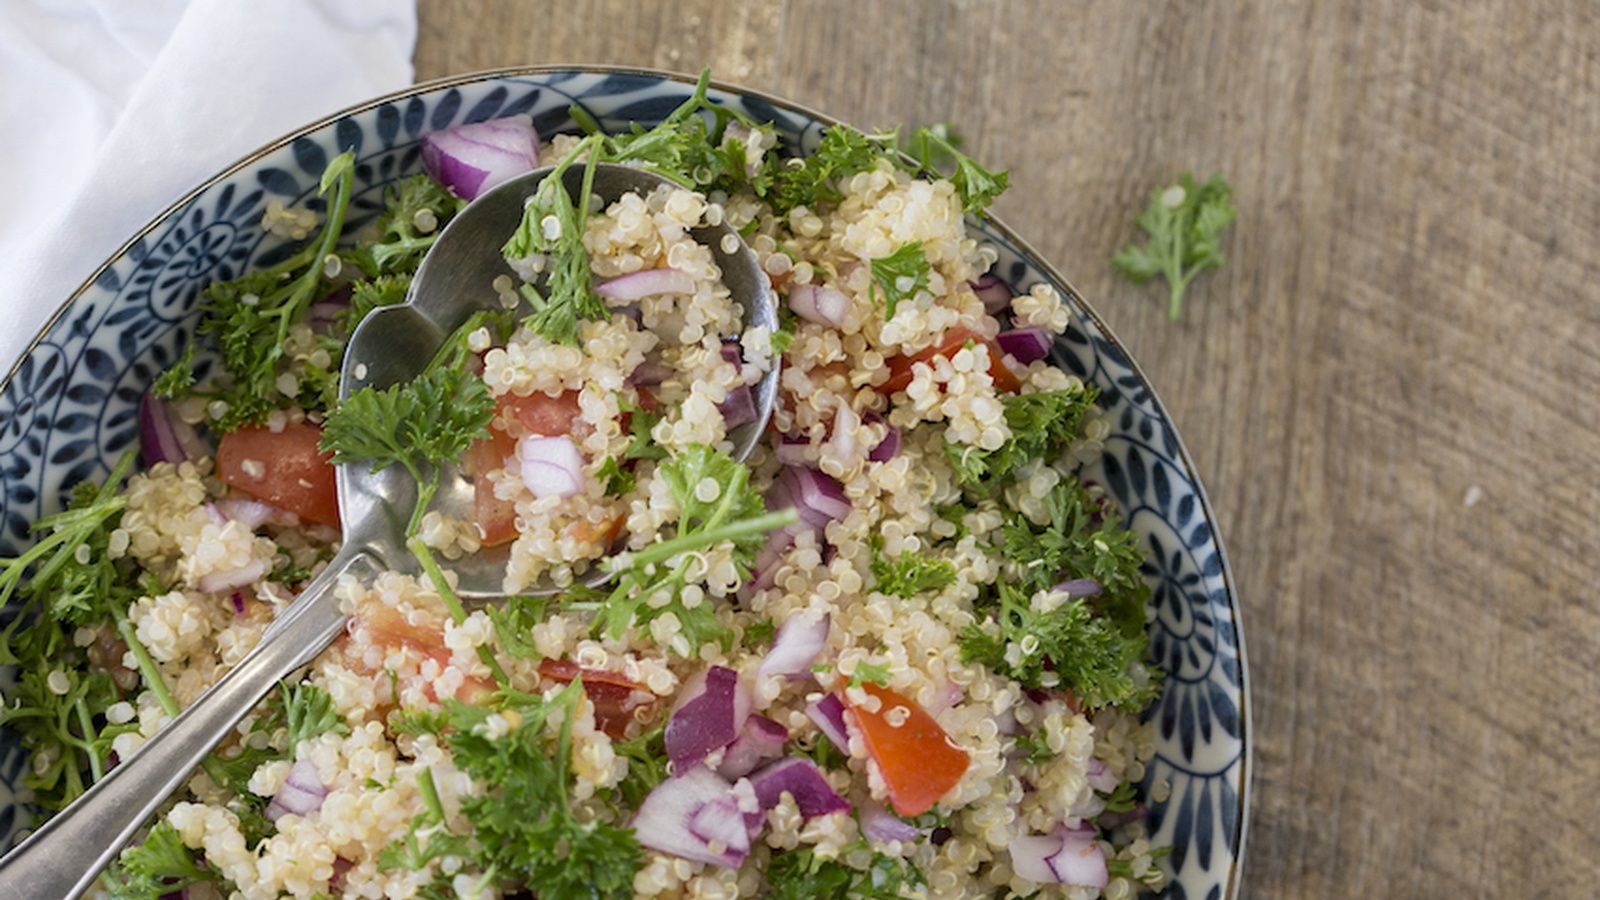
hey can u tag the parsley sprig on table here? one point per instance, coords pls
(1184, 223)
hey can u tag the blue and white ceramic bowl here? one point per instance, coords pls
(68, 409)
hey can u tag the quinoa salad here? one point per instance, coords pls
(897, 651)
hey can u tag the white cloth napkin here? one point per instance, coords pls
(112, 109)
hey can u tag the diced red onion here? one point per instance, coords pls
(1100, 778)
(768, 558)
(252, 514)
(889, 447)
(791, 451)
(240, 608)
(795, 645)
(471, 159)
(1027, 345)
(215, 515)
(738, 407)
(163, 435)
(682, 816)
(882, 826)
(302, 792)
(1079, 587)
(228, 579)
(551, 466)
(636, 286)
(994, 293)
(846, 423)
(762, 739)
(1064, 856)
(828, 713)
(802, 780)
(817, 497)
(710, 712)
(649, 373)
(819, 303)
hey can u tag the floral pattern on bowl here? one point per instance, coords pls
(69, 407)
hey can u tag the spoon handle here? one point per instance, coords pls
(65, 855)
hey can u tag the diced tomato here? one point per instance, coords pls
(377, 629)
(496, 518)
(284, 468)
(900, 373)
(541, 414)
(604, 533)
(616, 699)
(918, 760)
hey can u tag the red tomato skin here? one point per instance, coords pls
(918, 760)
(616, 698)
(900, 373)
(284, 468)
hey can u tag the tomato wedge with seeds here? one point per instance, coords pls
(284, 468)
(900, 367)
(918, 760)
(616, 699)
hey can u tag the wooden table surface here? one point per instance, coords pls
(1390, 391)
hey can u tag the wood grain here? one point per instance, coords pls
(1390, 391)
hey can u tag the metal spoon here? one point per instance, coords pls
(65, 855)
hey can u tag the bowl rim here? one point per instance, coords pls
(1246, 717)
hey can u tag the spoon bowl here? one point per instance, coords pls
(391, 346)
(455, 281)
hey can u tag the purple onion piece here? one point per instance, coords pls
(302, 792)
(801, 779)
(764, 573)
(828, 713)
(738, 407)
(1079, 587)
(818, 303)
(791, 451)
(471, 159)
(1064, 856)
(795, 645)
(163, 435)
(252, 514)
(228, 579)
(636, 286)
(994, 293)
(817, 497)
(551, 466)
(710, 713)
(762, 739)
(1028, 345)
(682, 816)
(882, 826)
(1100, 778)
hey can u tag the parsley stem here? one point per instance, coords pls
(430, 566)
(86, 725)
(664, 550)
(155, 684)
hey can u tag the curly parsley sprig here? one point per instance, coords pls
(652, 581)
(1184, 222)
